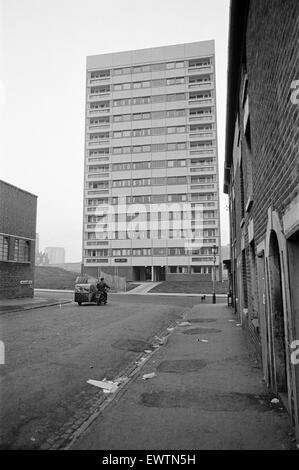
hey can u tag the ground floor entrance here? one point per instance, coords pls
(149, 273)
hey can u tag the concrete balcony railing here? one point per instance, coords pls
(201, 102)
(202, 134)
(200, 69)
(201, 118)
(201, 86)
(98, 142)
(98, 96)
(96, 176)
(98, 112)
(98, 81)
(98, 127)
(203, 169)
(202, 151)
(94, 192)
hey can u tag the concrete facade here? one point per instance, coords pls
(262, 181)
(151, 159)
(17, 241)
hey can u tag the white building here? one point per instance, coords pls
(151, 162)
(55, 254)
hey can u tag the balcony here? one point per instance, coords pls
(97, 96)
(200, 69)
(98, 127)
(98, 81)
(95, 192)
(98, 142)
(201, 102)
(202, 134)
(97, 176)
(201, 118)
(92, 112)
(203, 151)
(201, 86)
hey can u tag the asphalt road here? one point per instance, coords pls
(52, 352)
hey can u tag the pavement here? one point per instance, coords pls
(16, 305)
(143, 288)
(204, 392)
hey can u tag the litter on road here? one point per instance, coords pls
(203, 340)
(147, 351)
(275, 401)
(170, 329)
(149, 376)
(184, 323)
(106, 386)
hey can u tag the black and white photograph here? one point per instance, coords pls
(149, 230)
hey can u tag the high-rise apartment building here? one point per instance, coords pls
(151, 192)
(55, 254)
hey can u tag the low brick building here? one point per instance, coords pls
(17, 241)
(262, 181)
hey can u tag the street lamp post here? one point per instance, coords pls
(214, 273)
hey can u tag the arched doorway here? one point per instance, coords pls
(277, 316)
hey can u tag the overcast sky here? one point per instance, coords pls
(43, 49)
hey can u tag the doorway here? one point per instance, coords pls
(277, 316)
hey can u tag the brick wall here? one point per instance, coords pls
(17, 219)
(273, 64)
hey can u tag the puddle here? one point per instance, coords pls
(205, 400)
(134, 345)
(202, 320)
(201, 331)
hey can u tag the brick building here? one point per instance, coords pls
(17, 241)
(262, 181)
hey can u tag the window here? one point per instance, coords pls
(170, 65)
(158, 67)
(176, 251)
(141, 166)
(158, 98)
(177, 197)
(158, 130)
(158, 164)
(159, 251)
(121, 183)
(4, 243)
(158, 147)
(142, 182)
(177, 180)
(22, 251)
(159, 181)
(159, 82)
(121, 166)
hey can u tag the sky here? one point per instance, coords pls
(43, 49)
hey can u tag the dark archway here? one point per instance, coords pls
(277, 315)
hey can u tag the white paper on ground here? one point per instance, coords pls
(149, 376)
(275, 401)
(184, 323)
(106, 386)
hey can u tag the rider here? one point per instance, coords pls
(102, 286)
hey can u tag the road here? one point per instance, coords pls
(52, 352)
